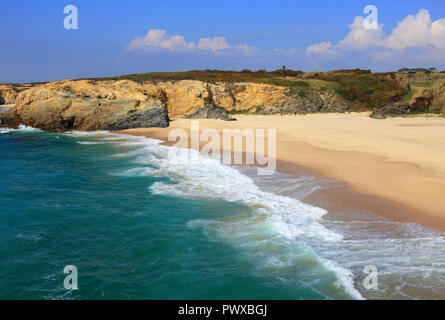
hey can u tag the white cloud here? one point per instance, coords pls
(438, 33)
(213, 44)
(412, 32)
(361, 38)
(158, 40)
(324, 47)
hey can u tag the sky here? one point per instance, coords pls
(116, 37)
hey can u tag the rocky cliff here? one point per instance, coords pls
(8, 94)
(123, 104)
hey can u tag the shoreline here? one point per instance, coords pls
(343, 198)
(402, 191)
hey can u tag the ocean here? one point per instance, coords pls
(138, 224)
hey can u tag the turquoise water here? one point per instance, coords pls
(140, 225)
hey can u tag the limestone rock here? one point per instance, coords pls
(87, 105)
(119, 104)
(8, 94)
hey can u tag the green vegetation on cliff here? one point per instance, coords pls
(278, 77)
(365, 90)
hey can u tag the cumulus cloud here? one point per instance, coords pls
(322, 48)
(412, 32)
(361, 38)
(417, 31)
(213, 44)
(158, 40)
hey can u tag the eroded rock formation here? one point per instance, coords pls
(123, 104)
(8, 94)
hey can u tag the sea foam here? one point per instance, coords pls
(277, 220)
(21, 128)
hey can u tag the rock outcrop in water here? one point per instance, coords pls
(86, 105)
(152, 117)
(124, 104)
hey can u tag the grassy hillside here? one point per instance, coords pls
(363, 88)
(436, 93)
(278, 77)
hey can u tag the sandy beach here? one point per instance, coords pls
(393, 167)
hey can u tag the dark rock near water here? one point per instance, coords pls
(155, 117)
(81, 105)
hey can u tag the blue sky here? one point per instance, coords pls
(303, 35)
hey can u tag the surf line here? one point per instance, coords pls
(255, 144)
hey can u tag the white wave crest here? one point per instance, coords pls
(21, 128)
